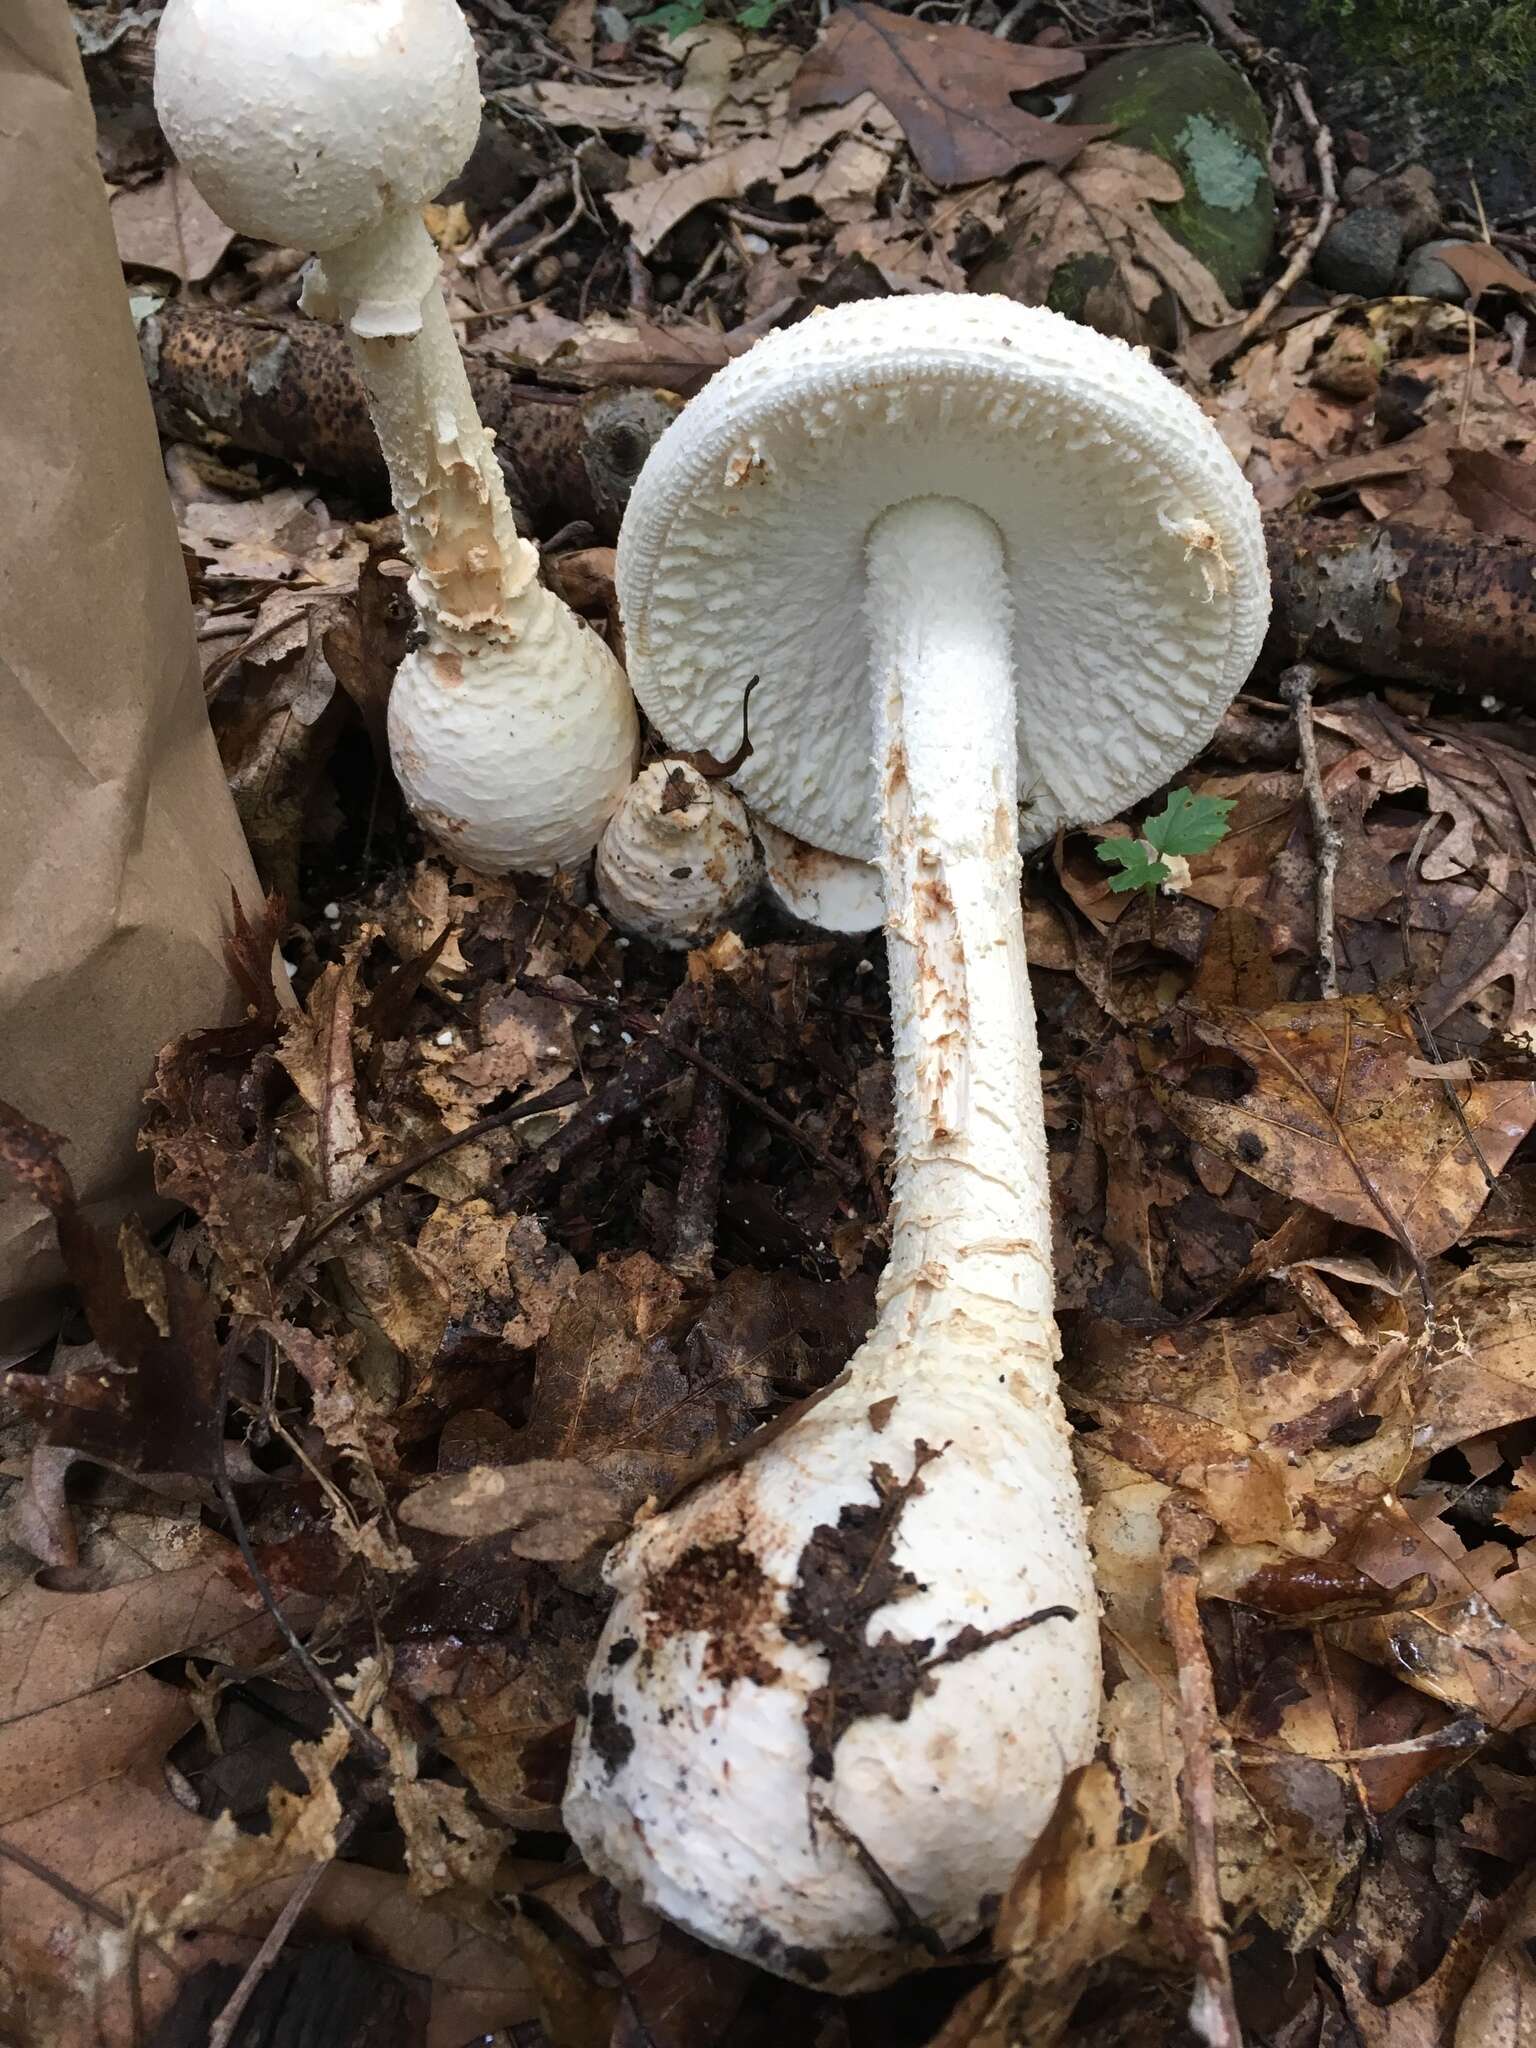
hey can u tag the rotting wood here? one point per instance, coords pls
(289, 389)
(1393, 601)
(1400, 602)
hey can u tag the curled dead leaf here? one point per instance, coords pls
(553, 1509)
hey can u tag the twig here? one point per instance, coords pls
(222, 2031)
(906, 1916)
(1244, 41)
(1296, 687)
(1306, 248)
(1431, 1051)
(533, 250)
(698, 1189)
(648, 1066)
(554, 186)
(1186, 1532)
(705, 1065)
(561, 1096)
(366, 1741)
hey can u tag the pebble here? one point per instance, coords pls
(1360, 253)
(1426, 277)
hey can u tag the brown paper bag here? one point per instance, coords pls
(118, 841)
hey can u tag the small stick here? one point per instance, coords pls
(1296, 687)
(697, 1212)
(554, 186)
(1246, 44)
(222, 2031)
(1306, 248)
(533, 250)
(561, 1096)
(1186, 1532)
(648, 1066)
(366, 1741)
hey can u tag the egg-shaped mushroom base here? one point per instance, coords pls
(825, 1754)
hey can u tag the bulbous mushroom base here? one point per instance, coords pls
(842, 1684)
(513, 758)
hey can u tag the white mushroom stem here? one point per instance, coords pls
(512, 728)
(842, 1684)
(971, 1214)
(325, 125)
(472, 571)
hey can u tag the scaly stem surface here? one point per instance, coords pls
(971, 1249)
(471, 566)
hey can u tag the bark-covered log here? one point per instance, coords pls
(1390, 601)
(288, 388)
(1400, 602)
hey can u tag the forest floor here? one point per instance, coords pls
(446, 1214)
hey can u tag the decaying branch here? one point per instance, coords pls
(1400, 602)
(1296, 687)
(289, 388)
(1186, 1533)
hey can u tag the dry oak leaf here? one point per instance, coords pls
(1337, 1118)
(951, 88)
(1497, 493)
(1073, 1902)
(1483, 268)
(170, 226)
(554, 1508)
(1469, 1641)
(1101, 208)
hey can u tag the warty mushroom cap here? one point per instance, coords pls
(1121, 513)
(677, 859)
(305, 122)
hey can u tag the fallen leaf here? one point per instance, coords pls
(950, 87)
(1335, 1119)
(1483, 268)
(651, 210)
(1073, 1902)
(1496, 493)
(553, 1509)
(1097, 214)
(170, 226)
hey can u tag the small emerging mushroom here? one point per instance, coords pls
(971, 547)
(677, 860)
(325, 125)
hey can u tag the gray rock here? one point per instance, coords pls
(1360, 253)
(1424, 276)
(1409, 192)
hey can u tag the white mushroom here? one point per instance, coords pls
(841, 1684)
(676, 861)
(815, 887)
(324, 125)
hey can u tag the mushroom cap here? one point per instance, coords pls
(818, 888)
(304, 122)
(677, 859)
(1134, 551)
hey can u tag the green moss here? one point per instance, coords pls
(1454, 53)
(1201, 115)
